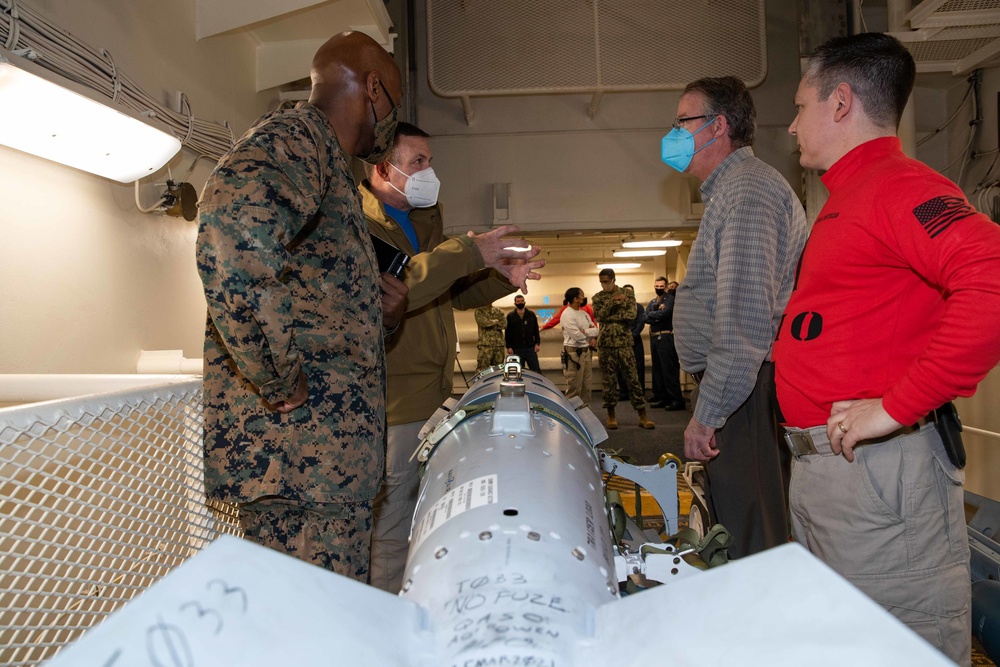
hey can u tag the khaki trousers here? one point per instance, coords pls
(893, 524)
(394, 506)
(579, 367)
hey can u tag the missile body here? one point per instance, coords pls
(510, 552)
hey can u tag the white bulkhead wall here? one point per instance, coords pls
(88, 280)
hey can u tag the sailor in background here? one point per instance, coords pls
(490, 350)
(614, 309)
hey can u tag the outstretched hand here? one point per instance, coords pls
(517, 266)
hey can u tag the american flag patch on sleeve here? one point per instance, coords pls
(936, 215)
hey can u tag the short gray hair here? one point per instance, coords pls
(728, 96)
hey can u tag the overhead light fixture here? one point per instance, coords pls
(640, 253)
(57, 119)
(661, 243)
(619, 265)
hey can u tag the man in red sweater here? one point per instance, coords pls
(895, 312)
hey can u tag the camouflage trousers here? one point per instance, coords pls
(334, 536)
(489, 356)
(611, 359)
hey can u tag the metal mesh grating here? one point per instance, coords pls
(968, 6)
(561, 46)
(969, 31)
(99, 497)
(946, 49)
(642, 43)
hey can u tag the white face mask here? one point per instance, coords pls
(421, 187)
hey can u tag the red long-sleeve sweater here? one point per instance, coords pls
(897, 296)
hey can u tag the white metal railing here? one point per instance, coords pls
(100, 497)
(33, 388)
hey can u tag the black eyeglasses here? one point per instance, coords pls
(678, 122)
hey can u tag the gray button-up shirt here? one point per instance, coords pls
(739, 276)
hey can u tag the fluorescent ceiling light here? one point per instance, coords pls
(619, 265)
(662, 243)
(518, 248)
(640, 253)
(54, 118)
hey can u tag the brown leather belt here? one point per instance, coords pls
(660, 333)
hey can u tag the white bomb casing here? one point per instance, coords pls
(510, 552)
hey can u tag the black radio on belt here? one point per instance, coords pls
(949, 427)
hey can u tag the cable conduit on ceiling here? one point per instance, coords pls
(30, 35)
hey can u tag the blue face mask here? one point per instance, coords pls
(677, 146)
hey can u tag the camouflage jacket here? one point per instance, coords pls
(615, 317)
(491, 322)
(292, 284)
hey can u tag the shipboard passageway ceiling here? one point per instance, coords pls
(520, 47)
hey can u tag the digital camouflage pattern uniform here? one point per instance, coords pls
(490, 350)
(292, 283)
(614, 345)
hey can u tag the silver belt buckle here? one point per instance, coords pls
(801, 443)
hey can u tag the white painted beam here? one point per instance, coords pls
(958, 19)
(282, 62)
(919, 13)
(939, 34)
(382, 21)
(907, 129)
(977, 58)
(935, 67)
(922, 35)
(213, 17)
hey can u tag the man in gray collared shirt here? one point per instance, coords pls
(740, 274)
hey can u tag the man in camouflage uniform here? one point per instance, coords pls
(295, 362)
(490, 348)
(615, 309)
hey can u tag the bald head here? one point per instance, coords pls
(350, 72)
(350, 55)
